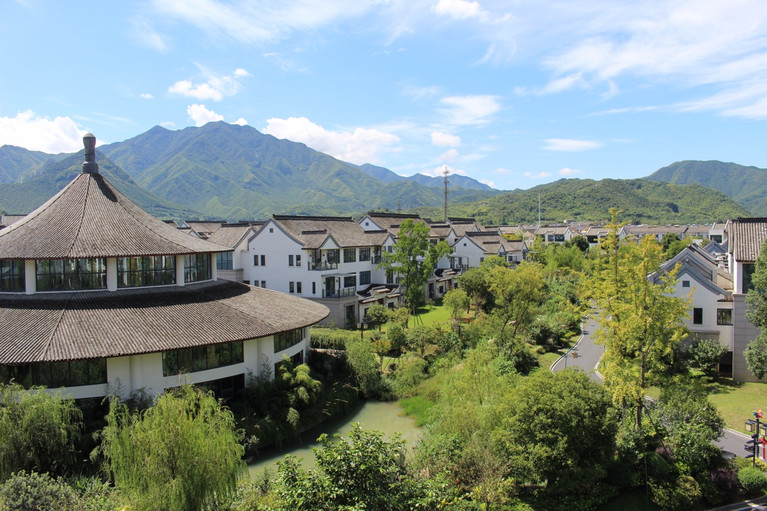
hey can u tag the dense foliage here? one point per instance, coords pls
(39, 431)
(756, 353)
(183, 453)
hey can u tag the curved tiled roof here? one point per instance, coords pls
(48, 327)
(90, 218)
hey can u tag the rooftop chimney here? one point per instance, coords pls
(89, 165)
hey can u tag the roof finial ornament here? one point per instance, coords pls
(89, 165)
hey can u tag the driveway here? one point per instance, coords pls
(585, 355)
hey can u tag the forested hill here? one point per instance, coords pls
(745, 185)
(640, 201)
(54, 174)
(231, 171)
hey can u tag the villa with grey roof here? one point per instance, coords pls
(97, 296)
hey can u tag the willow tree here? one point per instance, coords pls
(641, 323)
(182, 453)
(414, 257)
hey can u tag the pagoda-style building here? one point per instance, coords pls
(100, 297)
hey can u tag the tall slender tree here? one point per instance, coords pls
(640, 322)
(756, 299)
(414, 257)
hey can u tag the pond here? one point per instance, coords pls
(387, 417)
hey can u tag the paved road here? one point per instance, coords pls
(586, 355)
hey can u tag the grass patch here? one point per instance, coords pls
(417, 407)
(435, 314)
(737, 401)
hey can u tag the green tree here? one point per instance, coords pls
(756, 299)
(363, 363)
(414, 257)
(690, 423)
(558, 432)
(422, 336)
(517, 294)
(183, 453)
(365, 471)
(457, 302)
(39, 431)
(704, 354)
(640, 322)
(377, 315)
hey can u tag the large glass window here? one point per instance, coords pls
(350, 255)
(724, 316)
(287, 339)
(146, 271)
(57, 374)
(224, 261)
(365, 254)
(191, 360)
(350, 281)
(196, 267)
(364, 278)
(697, 316)
(69, 274)
(12, 276)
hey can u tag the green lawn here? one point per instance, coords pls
(736, 401)
(431, 315)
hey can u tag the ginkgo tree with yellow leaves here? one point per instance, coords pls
(640, 322)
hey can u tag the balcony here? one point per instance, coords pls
(339, 293)
(322, 266)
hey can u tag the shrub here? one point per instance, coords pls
(38, 431)
(396, 336)
(682, 494)
(331, 338)
(752, 479)
(411, 371)
(36, 492)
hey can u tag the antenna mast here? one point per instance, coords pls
(445, 172)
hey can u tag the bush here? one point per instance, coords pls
(38, 431)
(411, 371)
(395, 334)
(752, 479)
(682, 494)
(36, 492)
(331, 338)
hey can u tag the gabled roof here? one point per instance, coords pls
(81, 325)
(90, 218)
(231, 235)
(746, 236)
(314, 231)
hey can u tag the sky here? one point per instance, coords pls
(513, 93)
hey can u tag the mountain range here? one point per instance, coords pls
(230, 172)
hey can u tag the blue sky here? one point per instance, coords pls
(513, 93)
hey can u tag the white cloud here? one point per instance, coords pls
(146, 36)
(359, 146)
(449, 155)
(502, 171)
(568, 172)
(463, 110)
(458, 9)
(215, 88)
(258, 22)
(540, 175)
(489, 183)
(565, 144)
(145, 95)
(201, 115)
(440, 139)
(440, 172)
(710, 46)
(241, 121)
(36, 133)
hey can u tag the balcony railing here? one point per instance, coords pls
(322, 266)
(339, 293)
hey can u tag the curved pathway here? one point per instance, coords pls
(585, 355)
